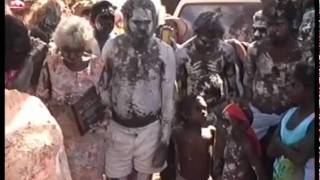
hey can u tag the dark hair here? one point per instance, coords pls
(185, 105)
(304, 73)
(208, 23)
(98, 7)
(38, 33)
(17, 43)
(275, 11)
(130, 5)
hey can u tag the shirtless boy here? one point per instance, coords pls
(193, 157)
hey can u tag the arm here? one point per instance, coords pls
(44, 88)
(181, 73)
(298, 153)
(249, 70)
(218, 155)
(104, 87)
(254, 160)
(231, 72)
(167, 89)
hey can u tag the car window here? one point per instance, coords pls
(236, 17)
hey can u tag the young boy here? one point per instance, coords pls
(192, 150)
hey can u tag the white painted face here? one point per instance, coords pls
(141, 24)
(306, 30)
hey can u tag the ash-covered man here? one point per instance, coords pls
(207, 54)
(259, 26)
(138, 85)
(306, 34)
(102, 19)
(267, 73)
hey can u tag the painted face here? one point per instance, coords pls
(306, 30)
(205, 43)
(278, 29)
(105, 20)
(259, 33)
(50, 21)
(259, 26)
(141, 24)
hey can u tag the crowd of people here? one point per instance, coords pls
(206, 107)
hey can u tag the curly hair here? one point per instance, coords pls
(208, 23)
(73, 33)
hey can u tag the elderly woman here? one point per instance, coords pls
(69, 72)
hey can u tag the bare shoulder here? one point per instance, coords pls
(253, 48)
(111, 46)
(166, 52)
(164, 47)
(226, 46)
(227, 49)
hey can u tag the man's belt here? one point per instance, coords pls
(136, 121)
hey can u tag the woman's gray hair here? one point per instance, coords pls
(74, 33)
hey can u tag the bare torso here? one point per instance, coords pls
(193, 155)
(273, 69)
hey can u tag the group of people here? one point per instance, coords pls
(208, 108)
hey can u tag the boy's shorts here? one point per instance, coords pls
(131, 148)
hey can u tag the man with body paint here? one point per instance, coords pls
(102, 20)
(138, 84)
(268, 75)
(306, 35)
(208, 54)
(259, 26)
(268, 68)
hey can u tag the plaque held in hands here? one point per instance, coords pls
(87, 110)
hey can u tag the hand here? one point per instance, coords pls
(160, 155)
(167, 34)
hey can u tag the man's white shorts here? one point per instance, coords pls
(131, 148)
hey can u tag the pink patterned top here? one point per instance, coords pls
(57, 82)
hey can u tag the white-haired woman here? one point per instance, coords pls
(68, 73)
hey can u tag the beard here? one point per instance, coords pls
(140, 41)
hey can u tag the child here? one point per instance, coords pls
(192, 150)
(293, 142)
(242, 153)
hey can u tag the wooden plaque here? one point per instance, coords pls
(88, 110)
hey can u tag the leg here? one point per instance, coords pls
(170, 172)
(145, 145)
(118, 158)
